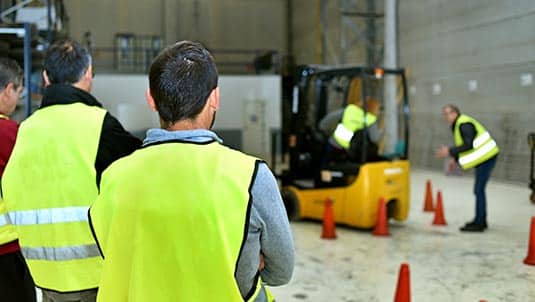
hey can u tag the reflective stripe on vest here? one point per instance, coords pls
(189, 203)
(478, 153)
(4, 220)
(483, 147)
(480, 140)
(48, 185)
(61, 253)
(7, 230)
(53, 216)
(46, 216)
(342, 133)
(353, 120)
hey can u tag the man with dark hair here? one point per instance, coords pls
(16, 283)
(53, 174)
(204, 222)
(474, 148)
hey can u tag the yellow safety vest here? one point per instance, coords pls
(48, 185)
(483, 147)
(171, 220)
(352, 121)
(7, 230)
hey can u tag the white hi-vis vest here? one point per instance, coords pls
(48, 185)
(483, 146)
(352, 121)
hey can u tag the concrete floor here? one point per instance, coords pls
(445, 264)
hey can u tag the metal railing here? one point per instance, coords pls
(229, 61)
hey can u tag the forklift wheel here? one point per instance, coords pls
(291, 204)
(532, 197)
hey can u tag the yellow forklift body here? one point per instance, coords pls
(357, 204)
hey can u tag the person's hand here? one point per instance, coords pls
(442, 152)
(261, 265)
(452, 164)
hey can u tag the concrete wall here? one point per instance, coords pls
(106, 18)
(248, 116)
(450, 43)
(443, 43)
(307, 37)
(247, 24)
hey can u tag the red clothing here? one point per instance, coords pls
(10, 247)
(8, 134)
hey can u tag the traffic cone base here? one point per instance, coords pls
(328, 231)
(530, 258)
(428, 202)
(403, 289)
(381, 225)
(439, 211)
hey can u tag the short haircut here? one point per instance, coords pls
(452, 108)
(66, 61)
(181, 79)
(10, 72)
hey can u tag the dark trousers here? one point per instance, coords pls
(483, 172)
(332, 153)
(89, 295)
(16, 283)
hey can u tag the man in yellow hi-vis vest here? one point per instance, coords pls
(52, 175)
(343, 124)
(186, 218)
(474, 148)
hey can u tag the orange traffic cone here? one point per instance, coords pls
(530, 258)
(428, 203)
(439, 211)
(403, 289)
(381, 224)
(329, 231)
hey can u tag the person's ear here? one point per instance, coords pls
(10, 88)
(88, 75)
(150, 100)
(213, 99)
(8, 91)
(46, 80)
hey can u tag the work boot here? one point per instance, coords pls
(474, 223)
(474, 227)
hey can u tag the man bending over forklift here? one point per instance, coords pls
(345, 128)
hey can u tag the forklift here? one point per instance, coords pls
(531, 143)
(354, 183)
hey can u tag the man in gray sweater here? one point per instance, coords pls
(186, 218)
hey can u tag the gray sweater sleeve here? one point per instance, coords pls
(374, 133)
(269, 233)
(329, 122)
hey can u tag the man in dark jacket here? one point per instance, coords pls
(474, 148)
(61, 151)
